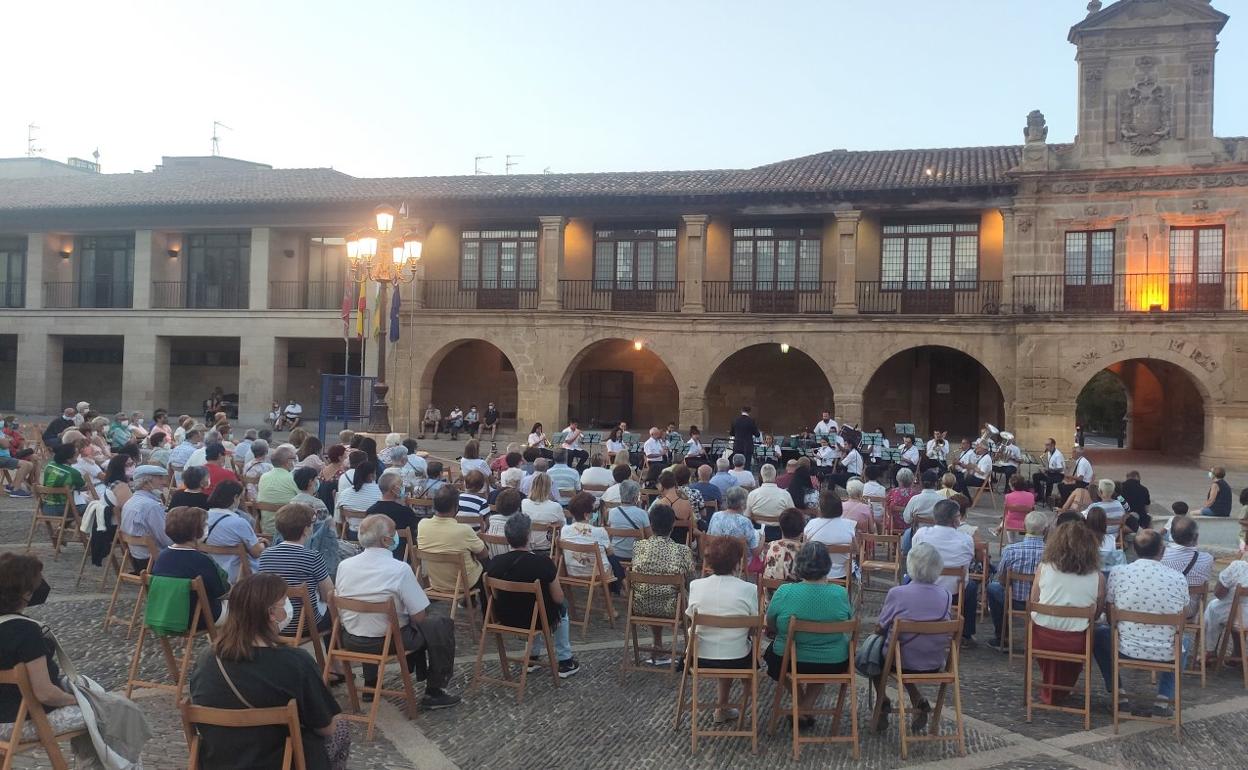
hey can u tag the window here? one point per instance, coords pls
(105, 270)
(778, 257)
(1090, 258)
(641, 258)
(502, 258)
(217, 269)
(919, 257)
(1196, 253)
(12, 271)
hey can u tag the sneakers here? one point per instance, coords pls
(439, 700)
(998, 645)
(969, 643)
(568, 668)
(18, 493)
(534, 664)
(660, 661)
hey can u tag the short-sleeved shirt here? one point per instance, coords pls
(442, 535)
(734, 524)
(375, 576)
(273, 677)
(817, 602)
(22, 641)
(957, 549)
(144, 514)
(1235, 575)
(582, 564)
(626, 517)
(837, 531)
(189, 564)
(522, 567)
(297, 564)
(1146, 585)
(1022, 557)
(226, 528)
(924, 602)
(57, 475)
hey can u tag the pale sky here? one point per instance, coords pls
(418, 88)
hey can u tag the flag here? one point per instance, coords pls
(376, 332)
(394, 316)
(361, 308)
(346, 309)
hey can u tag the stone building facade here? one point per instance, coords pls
(945, 288)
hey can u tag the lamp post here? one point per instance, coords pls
(387, 256)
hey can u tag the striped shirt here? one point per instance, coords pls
(297, 564)
(471, 506)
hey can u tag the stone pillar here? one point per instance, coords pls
(695, 267)
(847, 262)
(145, 372)
(36, 244)
(542, 403)
(849, 408)
(1226, 435)
(261, 376)
(550, 262)
(1009, 247)
(258, 273)
(1036, 422)
(39, 365)
(693, 406)
(143, 255)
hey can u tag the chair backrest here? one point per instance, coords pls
(238, 549)
(19, 677)
(385, 607)
(1012, 577)
(494, 540)
(306, 627)
(798, 626)
(704, 541)
(600, 488)
(1023, 509)
(1062, 611)
(635, 534)
(1175, 620)
(42, 492)
(455, 560)
(283, 716)
(754, 623)
(537, 621)
(128, 542)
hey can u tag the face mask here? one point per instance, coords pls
(394, 542)
(289, 610)
(40, 595)
(125, 422)
(1210, 475)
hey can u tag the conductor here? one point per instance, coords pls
(744, 429)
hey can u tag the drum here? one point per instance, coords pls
(851, 435)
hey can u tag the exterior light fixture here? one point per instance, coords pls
(638, 345)
(173, 253)
(65, 253)
(385, 214)
(412, 246)
(784, 347)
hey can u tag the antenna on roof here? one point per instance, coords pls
(476, 164)
(546, 170)
(31, 149)
(216, 140)
(509, 164)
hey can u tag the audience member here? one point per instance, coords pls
(1137, 497)
(226, 527)
(184, 528)
(144, 513)
(627, 515)
(540, 509)
(782, 553)
(442, 534)
(390, 503)
(658, 554)
(723, 595)
(957, 549)
(732, 521)
(1020, 558)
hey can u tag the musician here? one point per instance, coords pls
(1007, 460)
(909, 457)
(695, 453)
(979, 470)
(1052, 473)
(877, 449)
(825, 458)
(853, 468)
(572, 442)
(827, 426)
(1081, 477)
(656, 453)
(937, 452)
(743, 430)
(966, 463)
(770, 451)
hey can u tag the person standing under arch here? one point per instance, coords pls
(744, 429)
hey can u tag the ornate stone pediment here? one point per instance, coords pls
(1136, 14)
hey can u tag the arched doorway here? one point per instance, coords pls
(613, 380)
(785, 388)
(1101, 410)
(1162, 403)
(473, 372)
(935, 388)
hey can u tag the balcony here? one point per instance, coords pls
(88, 294)
(306, 295)
(12, 294)
(782, 297)
(646, 297)
(927, 298)
(1131, 293)
(199, 295)
(457, 295)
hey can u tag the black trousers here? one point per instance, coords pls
(430, 646)
(1046, 480)
(1064, 490)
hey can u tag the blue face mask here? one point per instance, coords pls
(394, 542)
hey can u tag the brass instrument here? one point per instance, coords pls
(1006, 438)
(939, 452)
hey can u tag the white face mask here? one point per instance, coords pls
(289, 610)
(1211, 475)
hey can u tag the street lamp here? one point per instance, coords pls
(387, 256)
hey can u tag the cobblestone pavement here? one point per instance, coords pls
(602, 718)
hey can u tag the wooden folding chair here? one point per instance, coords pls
(1175, 666)
(847, 550)
(539, 623)
(981, 576)
(260, 522)
(985, 487)
(345, 515)
(305, 628)
(766, 589)
(336, 654)
(791, 680)
(634, 534)
(1010, 615)
(461, 591)
(552, 533)
(110, 561)
(946, 678)
(1085, 658)
(282, 716)
(57, 523)
(497, 544)
(878, 506)
(703, 540)
(1005, 533)
(237, 550)
(869, 560)
(411, 554)
(632, 622)
(694, 674)
(201, 624)
(958, 595)
(1237, 631)
(1198, 599)
(30, 709)
(599, 578)
(124, 544)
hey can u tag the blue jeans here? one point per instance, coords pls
(996, 607)
(1209, 512)
(563, 643)
(1103, 651)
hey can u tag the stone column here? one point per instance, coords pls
(145, 372)
(846, 262)
(1009, 247)
(39, 365)
(544, 403)
(143, 255)
(693, 406)
(550, 262)
(1226, 426)
(261, 376)
(258, 273)
(36, 244)
(695, 266)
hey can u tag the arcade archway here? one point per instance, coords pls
(616, 380)
(1163, 406)
(785, 388)
(934, 388)
(473, 372)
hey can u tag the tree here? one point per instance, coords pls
(1102, 404)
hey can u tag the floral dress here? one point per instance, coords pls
(897, 499)
(781, 556)
(659, 556)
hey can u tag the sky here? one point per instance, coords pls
(419, 88)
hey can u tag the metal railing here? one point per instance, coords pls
(456, 295)
(644, 297)
(91, 294)
(778, 297)
(12, 294)
(927, 298)
(1131, 293)
(305, 295)
(199, 295)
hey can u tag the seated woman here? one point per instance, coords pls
(117, 492)
(815, 600)
(192, 495)
(1077, 501)
(671, 496)
(357, 496)
(1107, 544)
(1020, 495)
(856, 509)
(227, 526)
(723, 594)
(782, 554)
(921, 600)
(898, 496)
(580, 531)
(831, 528)
(185, 526)
(659, 555)
(803, 490)
(26, 640)
(948, 486)
(1068, 575)
(249, 667)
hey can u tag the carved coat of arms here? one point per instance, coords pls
(1145, 116)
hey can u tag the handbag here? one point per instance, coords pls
(869, 659)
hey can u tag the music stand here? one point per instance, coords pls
(904, 428)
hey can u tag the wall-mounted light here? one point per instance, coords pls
(65, 253)
(289, 253)
(173, 253)
(638, 345)
(1154, 308)
(784, 347)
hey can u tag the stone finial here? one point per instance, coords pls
(1094, 7)
(1037, 130)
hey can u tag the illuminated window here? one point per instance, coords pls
(924, 256)
(498, 258)
(1196, 254)
(641, 258)
(1090, 258)
(777, 257)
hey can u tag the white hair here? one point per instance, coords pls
(722, 464)
(376, 529)
(854, 487)
(512, 477)
(390, 480)
(735, 498)
(393, 439)
(1106, 487)
(767, 473)
(924, 563)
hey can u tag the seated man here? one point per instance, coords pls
(374, 576)
(1020, 558)
(432, 421)
(443, 534)
(472, 420)
(655, 453)
(391, 504)
(1181, 556)
(978, 470)
(491, 420)
(520, 565)
(292, 415)
(144, 513)
(743, 477)
(23, 471)
(563, 477)
(765, 504)
(1218, 611)
(710, 492)
(957, 549)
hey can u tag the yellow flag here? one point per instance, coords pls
(360, 309)
(377, 310)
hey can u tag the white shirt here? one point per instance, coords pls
(572, 438)
(936, 453)
(910, 457)
(1146, 585)
(921, 504)
(983, 465)
(1056, 461)
(198, 457)
(695, 449)
(546, 512)
(743, 477)
(582, 564)
(612, 495)
(375, 575)
(294, 410)
(614, 446)
(537, 439)
(825, 457)
(768, 501)
(838, 531)
(956, 548)
(853, 463)
(967, 458)
(1013, 454)
(827, 426)
(653, 449)
(723, 595)
(877, 451)
(598, 477)
(1083, 469)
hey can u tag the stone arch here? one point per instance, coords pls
(1167, 405)
(934, 387)
(464, 371)
(786, 390)
(1203, 379)
(974, 347)
(612, 379)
